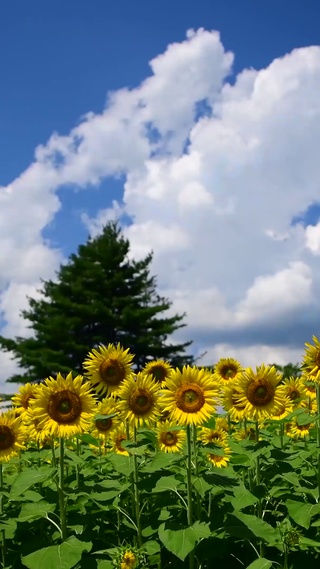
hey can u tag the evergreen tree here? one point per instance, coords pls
(99, 297)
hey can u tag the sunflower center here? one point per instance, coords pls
(103, 425)
(169, 438)
(158, 373)
(228, 372)
(7, 437)
(190, 398)
(64, 407)
(294, 394)
(112, 371)
(260, 393)
(141, 402)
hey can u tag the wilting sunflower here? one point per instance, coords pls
(158, 370)
(24, 397)
(191, 396)
(311, 360)
(227, 370)
(231, 403)
(102, 428)
(64, 406)
(169, 439)
(284, 409)
(12, 436)
(220, 461)
(118, 436)
(295, 389)
(212, 435)
(139, 400)
(258, 392)
(107, 368)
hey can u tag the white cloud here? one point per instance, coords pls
(213, 197)
(312, 235)
(252, 355)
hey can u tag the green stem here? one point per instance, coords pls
(62, 504)
(196, 469)
(318, 436)
(54, 460)
(281, 434)
(78, 451)
(258, 481)
(189, 491)
(137, 494)
(3, 536)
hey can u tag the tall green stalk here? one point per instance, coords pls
(189, 491)
(62, 502)
(196, 469)
(258, 482)
(3, 535)
(318, 434)
(137, 494)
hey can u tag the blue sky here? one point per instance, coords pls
(58, 62)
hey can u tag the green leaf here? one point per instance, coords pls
(104, 564)
(161, 460)
(29, 478)
(180, 542)
(301, 512)
(151, 547)
(260, 563)
(243, 498)
(245, 525)
(122, 464)
(63, 556)
(35, 511)
(305, 541)
(166, 483)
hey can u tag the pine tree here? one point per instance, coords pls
(100, 296)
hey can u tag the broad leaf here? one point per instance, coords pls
(63, 556)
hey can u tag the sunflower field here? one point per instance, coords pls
(114, 469)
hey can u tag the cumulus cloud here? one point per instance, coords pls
(214, 194)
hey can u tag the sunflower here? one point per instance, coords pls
(158, 370)
(32, 424)
(102, 428)
(139, 400)
(118, 436)
(128, 560)
(231, 403)
(258, 392)
(23, 398)
(190, 396)
(285, 407)
(299, 431)
(107, 368)
(243, 434)
(12, 436)
(227, 370)
(311, 390)
(311, 360)
(220, 461)
(170, 439)
(212, 435)
(64, 406)
(222, 423)
(295, 389)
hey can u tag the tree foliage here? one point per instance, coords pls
(100, 296)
